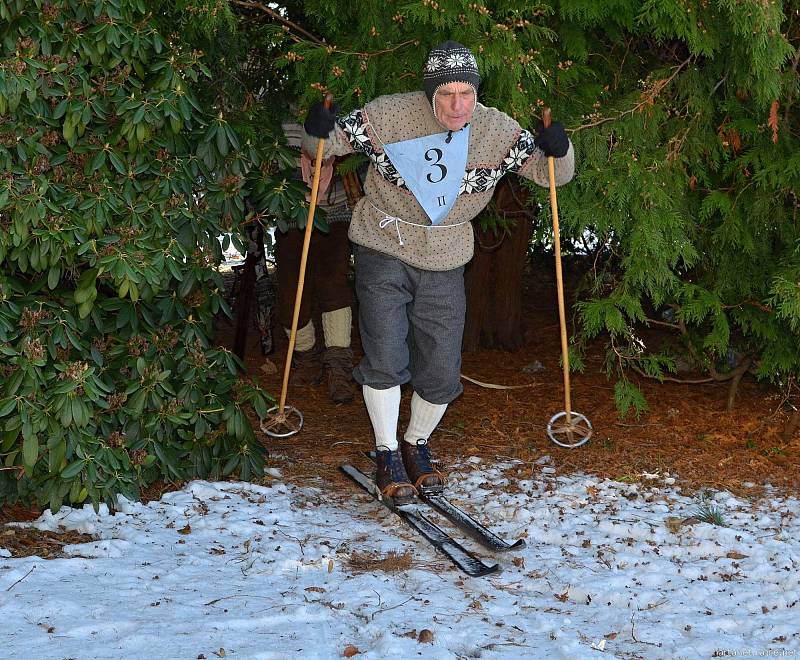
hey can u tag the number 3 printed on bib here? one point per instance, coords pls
(432, 169)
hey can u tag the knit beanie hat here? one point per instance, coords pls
(447, 63)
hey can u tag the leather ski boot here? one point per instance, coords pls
(417, 461)
(392, 479)
(339, 372)
(306, 368)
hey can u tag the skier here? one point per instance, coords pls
(437, 155)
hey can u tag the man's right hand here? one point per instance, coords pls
(320, 120)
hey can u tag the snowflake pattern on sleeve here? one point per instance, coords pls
(484, 179)
(519, 153)
(355, 128)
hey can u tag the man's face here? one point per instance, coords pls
(454, 104)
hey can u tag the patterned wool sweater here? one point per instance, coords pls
(389, 219)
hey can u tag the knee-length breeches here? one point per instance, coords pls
(411, 323)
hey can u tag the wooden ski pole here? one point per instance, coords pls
(578, 428)
(303, 259)
(551, 172)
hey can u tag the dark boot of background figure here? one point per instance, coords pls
(392, 479)
(306, 368)
(417, 461)
(338, 363)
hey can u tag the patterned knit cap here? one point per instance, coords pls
(447, 63)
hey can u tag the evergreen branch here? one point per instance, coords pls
(717, 86)
(735, 375)
(631, 362)
(367, 55)
(676, 143)
(648, 100)
(665, 324)
(252, 4)
(671, 379)
(789, 101)
(755, 303)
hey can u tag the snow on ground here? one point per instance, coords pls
(248, 571)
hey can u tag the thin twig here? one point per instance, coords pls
(491, 646)
(386, 609)
(364, 54)
(635, 425)
(633, 634)
(276, 16)
(682, 381)
(650, 98)
(216, 600)
(22, 578)
(652, 606)
(665, 324)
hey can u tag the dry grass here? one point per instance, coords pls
(393, 562)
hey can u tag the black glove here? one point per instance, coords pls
(552, 140)
(320, 120)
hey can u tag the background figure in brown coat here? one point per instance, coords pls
(326, 286)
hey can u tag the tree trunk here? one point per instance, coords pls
(245, 295)
(493, 279)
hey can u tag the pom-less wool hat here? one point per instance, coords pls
(447, 63)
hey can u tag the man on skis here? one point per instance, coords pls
(437, 155)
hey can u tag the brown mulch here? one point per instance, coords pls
(687, 431)
(29, 542)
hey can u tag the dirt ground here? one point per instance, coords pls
(686, 433)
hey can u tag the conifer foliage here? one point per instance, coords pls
(115, 184)
(684, 116)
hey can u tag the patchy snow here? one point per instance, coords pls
(249, 571)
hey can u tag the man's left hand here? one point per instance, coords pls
(553, 140)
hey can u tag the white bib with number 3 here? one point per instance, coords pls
(432, 168)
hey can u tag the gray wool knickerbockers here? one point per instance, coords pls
(411, 324)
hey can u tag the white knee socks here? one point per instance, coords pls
(424, 419)
(383, 407)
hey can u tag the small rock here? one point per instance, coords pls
(269, 367)
(425, 636)
(350, 651)
(534, 367)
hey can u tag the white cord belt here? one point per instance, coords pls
(388, 219)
